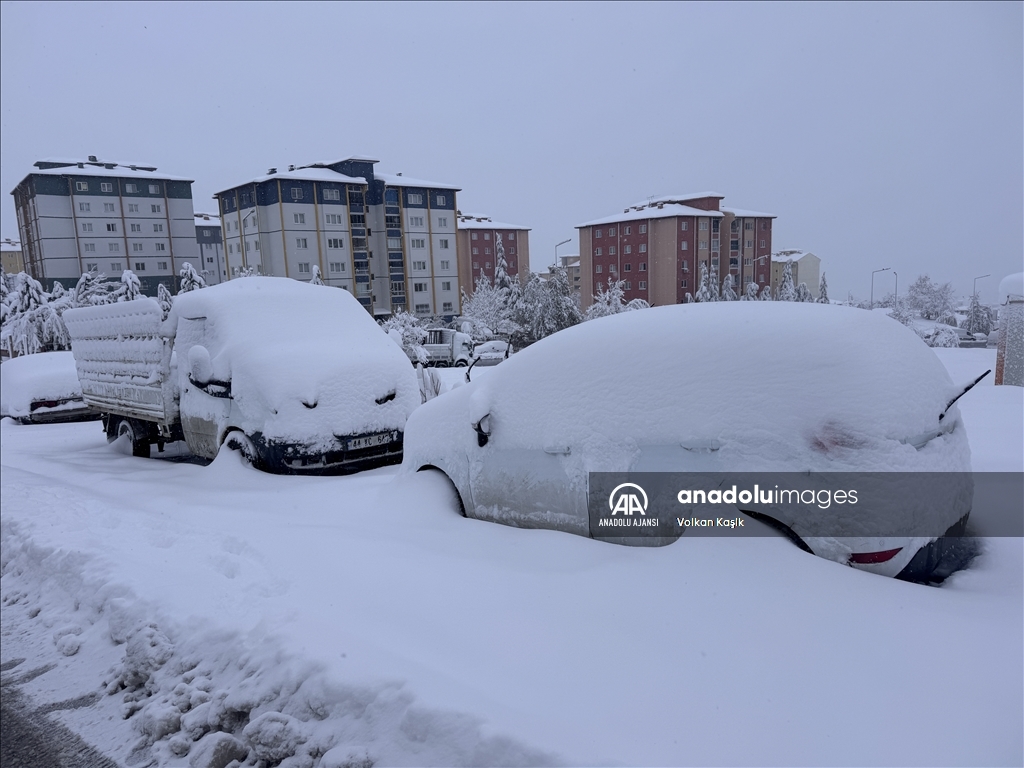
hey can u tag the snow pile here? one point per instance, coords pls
(42, 376)
(306, 363)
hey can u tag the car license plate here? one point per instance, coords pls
(369, 441)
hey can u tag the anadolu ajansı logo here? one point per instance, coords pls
(623, 499)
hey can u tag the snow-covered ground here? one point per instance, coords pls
(333, 620)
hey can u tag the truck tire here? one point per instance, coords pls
(461, 363)
(136, 432)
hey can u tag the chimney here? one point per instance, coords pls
(134, 167)
(271, 171)
(92, 159)
(81, 165)
(291, 167)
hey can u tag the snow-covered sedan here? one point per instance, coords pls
(42, 388)
(723, 387)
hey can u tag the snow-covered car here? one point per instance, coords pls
(42, 388)
(731, 387)
(491, 352)
(298, 377)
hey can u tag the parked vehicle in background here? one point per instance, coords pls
(689, 388)
(297, 377)
(446, 348)
(492, 352)
(42, 388)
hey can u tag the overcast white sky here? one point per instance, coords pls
(881, 135)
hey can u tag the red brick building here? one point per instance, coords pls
(656, 247)
(476, 249)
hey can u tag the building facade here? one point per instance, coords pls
(806, 269)
(10, 253)
(210, 242)
(388, 239)
(655, 248)
(105, 217)
(477, 241)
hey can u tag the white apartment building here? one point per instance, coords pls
(77, 216)
(387, 238)
(210, 240)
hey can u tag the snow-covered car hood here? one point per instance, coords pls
(44, 376)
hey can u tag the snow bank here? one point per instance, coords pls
(43, 376)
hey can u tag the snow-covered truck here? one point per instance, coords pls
(446, 348)
(299, 378)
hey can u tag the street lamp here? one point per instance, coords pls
(975, 293)
(753, 269)
(883, 269)
(556, 249)
(896, 294)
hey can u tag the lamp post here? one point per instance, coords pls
(556, 249)
(975, 292)
(883, 269)
(753, 269)
(896, 293)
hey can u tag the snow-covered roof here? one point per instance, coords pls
(120, 172)
(396, 180)
(792, 254)
(10, 247)
(207, 219)
(97, 161)
(301, 174)
(677, 198)
(664, 211)
(357, 158)
(749, 214)
(467, 221)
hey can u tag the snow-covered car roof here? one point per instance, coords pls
(44, 376)
(771, 379)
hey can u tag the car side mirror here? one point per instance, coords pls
(200, 367)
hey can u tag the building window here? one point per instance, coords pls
(642, 285)
(300, 242)
(473, 236)
(643, 266)
(487, 264)
(762, 243)
(90, 247)
(597, 233)
(209, 260)
(598, 269)
(154, 189)
(160, 246)
(161, 265)
(106, 186)
(300, 218)
(304, 267)
(157, 208)
(136, 247)
(487, 250)
(84, 207)
(643, 247)
(394, 243)
(764, 225)
(444, 242)
(703, 245)
(108, 207)
(257, 245)
(418, 242)
(332, 194)
(476, 265)
(335, 218)
(627, 249)
(442, 221)
(511, 235)
(415, 198)
(748, 225)
(714, 244)
(642, 229)
(748, 262)
(511, 251)
(682, 284)
(627, 267)
(86, 227)
(231, 248)
(336, 266)
(140, 266)
(419, 265)
(82, 186)
(627, 285)
(92, 267)
(114, 247)
(475, 250)
(597, 252)
(487, 235)
(131, 188)
(445, 263)
(628, 230)
(419, 287)
(246, 246)
(335, 242)
(422, 308)
(158, 227)
(447, 307)
(114, 266)
(417, 221)
(703, 226)
(446, 285)
(297, 195)
(611, 250)
(136, 227)
(133, 207)
(441, 200)
(611, 232)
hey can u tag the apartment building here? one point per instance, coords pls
(92, 215)
(387, 238)
(806, 269)
(10, 255)
(477, 242)
(210, 241)
(655, 248)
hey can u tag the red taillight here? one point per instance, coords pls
(867, 558)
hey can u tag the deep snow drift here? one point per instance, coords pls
(338, 621)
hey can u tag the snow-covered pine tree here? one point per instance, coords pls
(803, 293)
(978, 319)
(412, 333)
(32, 323)
(92, 289)
(165, 299)
(703, 292)
(131, 287)
(190, 279)
(607, 301)
(750, 293)
(728, 294)
(713, 284)
(823, 290)
(766, 293)
(787, 291)
(501, 279)
(317, 278)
